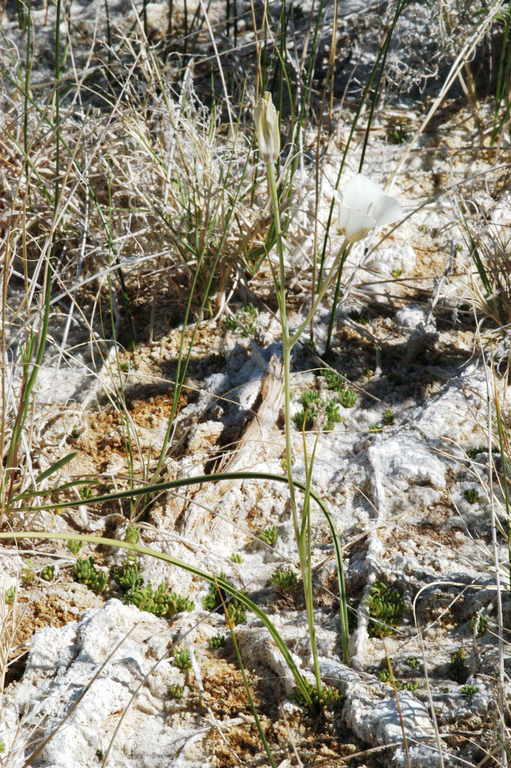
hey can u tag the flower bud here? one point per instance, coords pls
(266, 120)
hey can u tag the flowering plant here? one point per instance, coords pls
(363, 205)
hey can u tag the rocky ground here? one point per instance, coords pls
(401, 431)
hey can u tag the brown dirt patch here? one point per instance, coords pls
(318, 742)
(226, 693)
(110, 432)
(35, 609)
(38, 609)
(429, 530)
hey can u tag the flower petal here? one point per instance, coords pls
(360, 192)
(364, 206)
(354, 223)
(386, 210)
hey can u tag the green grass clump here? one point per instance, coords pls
(216, 642)
(386, 607)
(9, 595)
(48, 573)
(388, 417)
(310, 399)
(317, 410)
(284, 580)
(74, 546)
(322, 699)
(471, 495)
(175, 691)
(345, 396)
(218, 600)
(132, 535)
(127, 576)
(182, 659)
(85, 572)
(270, 535)
(332, 415)
(304, 419)
(348, 398)
(243, 321)
(333, 380)
(161, 601)
(469, 691)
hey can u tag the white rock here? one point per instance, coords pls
(388, 720)
(405, 461)
(204, 437)
(501, 218)
(420, 756)
(396, 257)
(61, 385)
(381, 722)
(257, 647)
(110, 651)
(410, 317)
(454, 705)
(459, 410)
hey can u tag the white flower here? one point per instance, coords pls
(363, 206)
(266, 120)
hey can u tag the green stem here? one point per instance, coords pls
(377, 73)
(287, 343)
(35, 345)
(57, 106)
(344, 256)
(373, 82)
(27, 16)
(334, 270)
(303, 542)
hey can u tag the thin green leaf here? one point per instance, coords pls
(55, 467)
